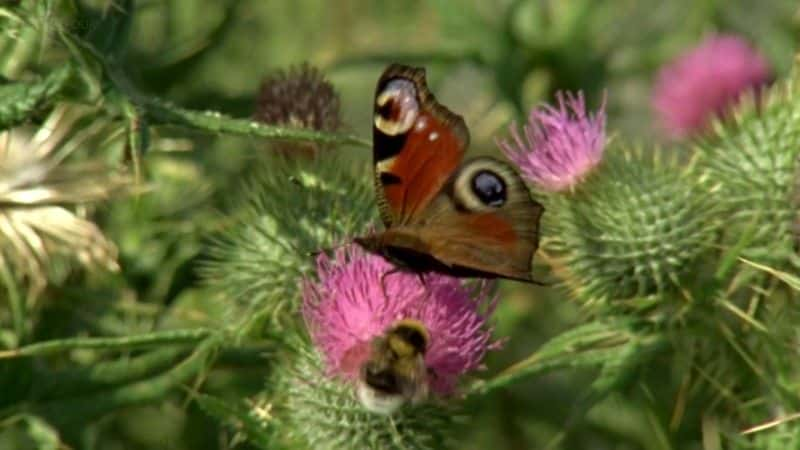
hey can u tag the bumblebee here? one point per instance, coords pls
(395, 372)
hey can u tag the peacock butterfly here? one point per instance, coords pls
(471, 218)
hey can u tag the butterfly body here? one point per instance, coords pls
(470, 218)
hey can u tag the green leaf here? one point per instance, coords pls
(109, 29)
(612, 344)
(70, 412)
(125, 342)
(38, 434)
(19, 101)
(48, 384)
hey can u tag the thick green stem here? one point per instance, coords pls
(160, 112)
(215, 122)
(18, 101)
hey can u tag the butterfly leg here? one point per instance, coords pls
(391, 271)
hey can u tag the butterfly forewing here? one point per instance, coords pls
(417, 144)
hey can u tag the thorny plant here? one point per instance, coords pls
(684, 261)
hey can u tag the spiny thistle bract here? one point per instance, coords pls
(322, 413)
(291, 210)
(632, 228)
(729, 362)
(751, 166)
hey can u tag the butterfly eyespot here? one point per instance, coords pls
(396, 107)
(489, 188)
(482, 185)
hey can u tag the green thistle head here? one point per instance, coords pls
(752, 168)
(632, 228)
(323, 413)
(291, 210)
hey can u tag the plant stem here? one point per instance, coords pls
(215, 122)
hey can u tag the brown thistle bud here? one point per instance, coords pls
(299, 97)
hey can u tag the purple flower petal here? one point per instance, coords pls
(346, 309)
(705, 82)
(560, 145)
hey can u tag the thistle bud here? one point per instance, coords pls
(299, 97)
(632, 229)
(751, 167)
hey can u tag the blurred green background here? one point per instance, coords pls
(490, 61)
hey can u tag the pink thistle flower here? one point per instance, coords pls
(705, 82)
(347, 309)
(560, 145)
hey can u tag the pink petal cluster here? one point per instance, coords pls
(705, 82)
(356, 300)
(560, 145)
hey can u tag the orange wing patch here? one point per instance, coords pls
(417, 144)
(492, 227)
(430, 155)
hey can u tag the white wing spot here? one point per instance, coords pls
(433, 136)
(384, 164)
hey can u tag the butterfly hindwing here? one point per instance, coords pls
(485, 220)
(417, 144)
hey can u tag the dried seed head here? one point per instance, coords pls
(43, 195)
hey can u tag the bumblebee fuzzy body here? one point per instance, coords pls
(395, 372)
